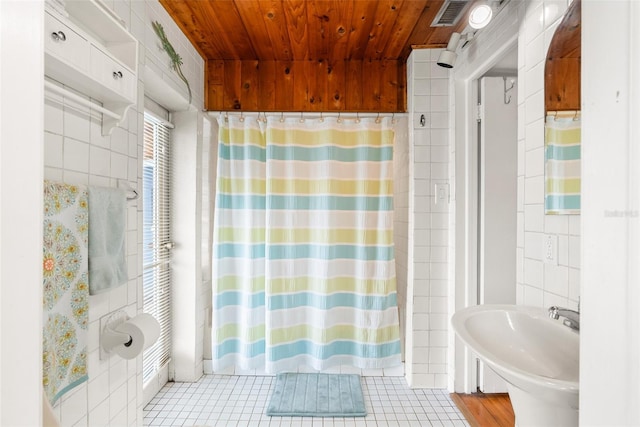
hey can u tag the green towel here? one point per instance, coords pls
(107, 224)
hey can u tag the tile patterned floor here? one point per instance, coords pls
(240, 401)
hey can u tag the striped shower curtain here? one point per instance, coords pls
(325, 285)
(238, 252)
(562, 144)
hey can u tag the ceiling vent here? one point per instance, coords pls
(450, 13)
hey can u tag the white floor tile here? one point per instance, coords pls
(224, 400)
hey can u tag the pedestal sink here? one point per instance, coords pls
(537, 356)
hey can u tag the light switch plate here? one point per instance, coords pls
(550, 249)
(441, 193)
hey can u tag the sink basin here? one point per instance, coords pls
(537, 356)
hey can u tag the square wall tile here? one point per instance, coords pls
(98, 390)
(118, 403)
(99, 416)
(119, 166)
(556, 279)
(120, 141)
(76, 155)
(533, 296)
(534, 162)
(53, 150)
(99, 161)
(439, 86)
(77, 124)
(74, 405)
(53, 115)
(421, 70)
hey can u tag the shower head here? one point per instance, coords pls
(447, 58)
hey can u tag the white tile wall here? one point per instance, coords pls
(77, 153)
(429, 222)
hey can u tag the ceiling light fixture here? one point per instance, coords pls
(448, 56)
(480, 15)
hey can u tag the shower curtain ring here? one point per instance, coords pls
(321, 118)
(241, 117)
(378, 118)
(393, 118)
(339, 119)
(357, 117)
(301, 118)
(281, 117)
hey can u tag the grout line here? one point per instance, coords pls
(242, 401)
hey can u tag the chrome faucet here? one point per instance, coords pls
(571, 317)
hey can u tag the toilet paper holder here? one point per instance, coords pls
(109, 337)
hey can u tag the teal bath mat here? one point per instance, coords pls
(317, 395)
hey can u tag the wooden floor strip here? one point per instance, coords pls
(485, 410)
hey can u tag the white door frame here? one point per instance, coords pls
(464, 134)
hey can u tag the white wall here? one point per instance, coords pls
(21, 65)
(427, 293)
(76, 152)
(401, 220)
(610, 329)
(186, 264)
(540, 284)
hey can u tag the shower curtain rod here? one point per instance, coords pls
(310, 114)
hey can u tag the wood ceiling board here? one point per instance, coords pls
(308, 55)
(309, 29)
(231, 29)
(276, 23)
(362, 22)
(250, 89)
(284, 86)
(295, 12)
(384, 20)
(404, 25)
(342, 15)
(336, 82)
(567, 39)
(317, 13)
(353, 90)
(214, 77)
(267, 85)
(250, 13)
(193, 27)
(562, 69)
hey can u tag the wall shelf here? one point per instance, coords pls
(92, 53)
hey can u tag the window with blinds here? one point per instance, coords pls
(156, 179)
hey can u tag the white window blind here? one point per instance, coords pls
(156, 180)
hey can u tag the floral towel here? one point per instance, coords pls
(65, 288)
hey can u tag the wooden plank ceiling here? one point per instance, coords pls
(308, 55)
(562, 73)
